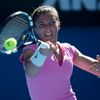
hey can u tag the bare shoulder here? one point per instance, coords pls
(27, 53)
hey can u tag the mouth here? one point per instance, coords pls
(48, 34)
(51, 37)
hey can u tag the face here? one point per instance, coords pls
(47, 27)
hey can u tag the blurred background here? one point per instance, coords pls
(80, 26)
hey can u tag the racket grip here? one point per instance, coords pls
(43, 45)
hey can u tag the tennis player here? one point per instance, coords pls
(49, 68)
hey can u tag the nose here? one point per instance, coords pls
(47, 28)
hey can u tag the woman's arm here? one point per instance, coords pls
(34, 60)
(87, 63)
(30, 69)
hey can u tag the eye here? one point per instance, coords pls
(52, 21)
(41, 25)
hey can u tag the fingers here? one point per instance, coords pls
(48, 49)
(98, 57)
(95, 67)
(52, 46)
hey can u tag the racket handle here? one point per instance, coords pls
(42, 44)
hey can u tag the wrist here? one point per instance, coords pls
(38, 58)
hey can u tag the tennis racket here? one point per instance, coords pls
(19, 26)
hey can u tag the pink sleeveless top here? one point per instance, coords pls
(53, 80)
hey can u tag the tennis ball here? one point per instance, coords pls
(10, 44)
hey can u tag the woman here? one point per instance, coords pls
(49, 67)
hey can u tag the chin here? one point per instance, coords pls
(54, 42)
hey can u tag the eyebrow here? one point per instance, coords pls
(49, 20)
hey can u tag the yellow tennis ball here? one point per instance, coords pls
(10, 44)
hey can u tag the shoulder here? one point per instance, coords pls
(69, 48)
(27, 52)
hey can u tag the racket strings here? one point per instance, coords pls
(14, 28)
(18, 22)
(19, 26)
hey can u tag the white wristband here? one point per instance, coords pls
(37, 58)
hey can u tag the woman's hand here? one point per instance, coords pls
(50, 49)
(96, 66)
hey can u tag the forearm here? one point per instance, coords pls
(87, 63)
(33, 65)
(30, 69)
(84, 61)
(34, 60)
